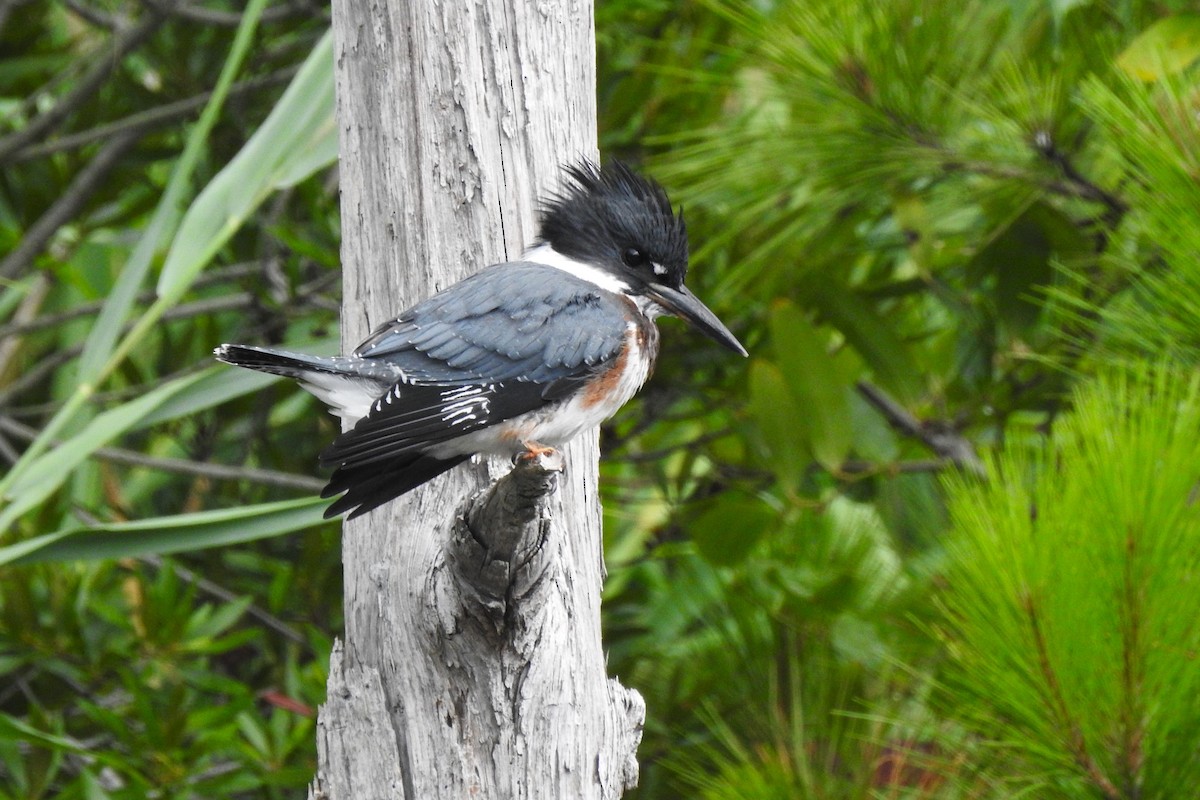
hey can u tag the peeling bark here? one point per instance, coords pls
(472, 664)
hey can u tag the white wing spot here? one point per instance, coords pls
(463, 403)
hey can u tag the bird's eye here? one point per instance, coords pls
(633, 257)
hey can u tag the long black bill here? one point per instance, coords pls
(685, 305)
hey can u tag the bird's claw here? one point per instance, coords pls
(533, 451)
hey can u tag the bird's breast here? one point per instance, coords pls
(595, 401)
(598, 398)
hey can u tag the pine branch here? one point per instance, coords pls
(1058, 705)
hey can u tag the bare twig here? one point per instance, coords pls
(85, 90)
(205, 469)
(183, 466)
(94, 16)
(68, 204)
(9, 454)
(1045, 145)
(26, 312)
(54, 360)
(862, 469)
(938, 436)
(151, 118)
(228, 19)
(20, 328)
(661, 453)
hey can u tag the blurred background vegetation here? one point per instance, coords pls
(938, 538)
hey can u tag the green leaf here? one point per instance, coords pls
(222, 383)
(1072, 570)
(212, 623)
(213, 386)
(169, 534)
(14, 728)
(727, 530)
(784, 431)
(297, 139)
(887, 356)
(43, 476)
(1168, 46)
(815, 382)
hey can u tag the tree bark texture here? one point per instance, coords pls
(472, 664)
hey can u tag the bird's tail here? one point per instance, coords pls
(348, 385)
(371, 485)
(278, 362)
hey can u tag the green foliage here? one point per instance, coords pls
(141, 677)
(1151, 128)
(160, 684)
(931, 223)
(1067, 606)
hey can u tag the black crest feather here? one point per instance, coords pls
(603, 210)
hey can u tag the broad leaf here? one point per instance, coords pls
(784, 429)
(297, 139)
(1168, 46)
(819, 390)
(43, 476)
(183, 532)
(728, 529)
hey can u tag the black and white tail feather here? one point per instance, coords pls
(525, 354)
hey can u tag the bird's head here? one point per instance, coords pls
(622, 224)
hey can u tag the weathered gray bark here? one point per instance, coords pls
(472, 664)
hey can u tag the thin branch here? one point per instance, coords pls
(1048, 149)
(26, 313)
(9, 454)
(204, 469)
(94, 16)
(151, 118)
(938, 436)
(228, 19)
(1133, 727)
(183, 466)
(864, 469)
(662, 452)
(53, 361)
(221, 593)
(215, 276)
(212, 589)
(85, 90)
(69, 204)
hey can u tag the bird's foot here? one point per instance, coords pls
(533, 451)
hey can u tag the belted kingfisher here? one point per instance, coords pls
(516, 359)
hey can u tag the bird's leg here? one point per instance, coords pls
(533, 450)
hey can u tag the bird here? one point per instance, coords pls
(517, 359)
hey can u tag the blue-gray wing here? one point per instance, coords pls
(507, 341)
(522, 321)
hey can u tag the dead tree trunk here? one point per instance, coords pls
(472, 664)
